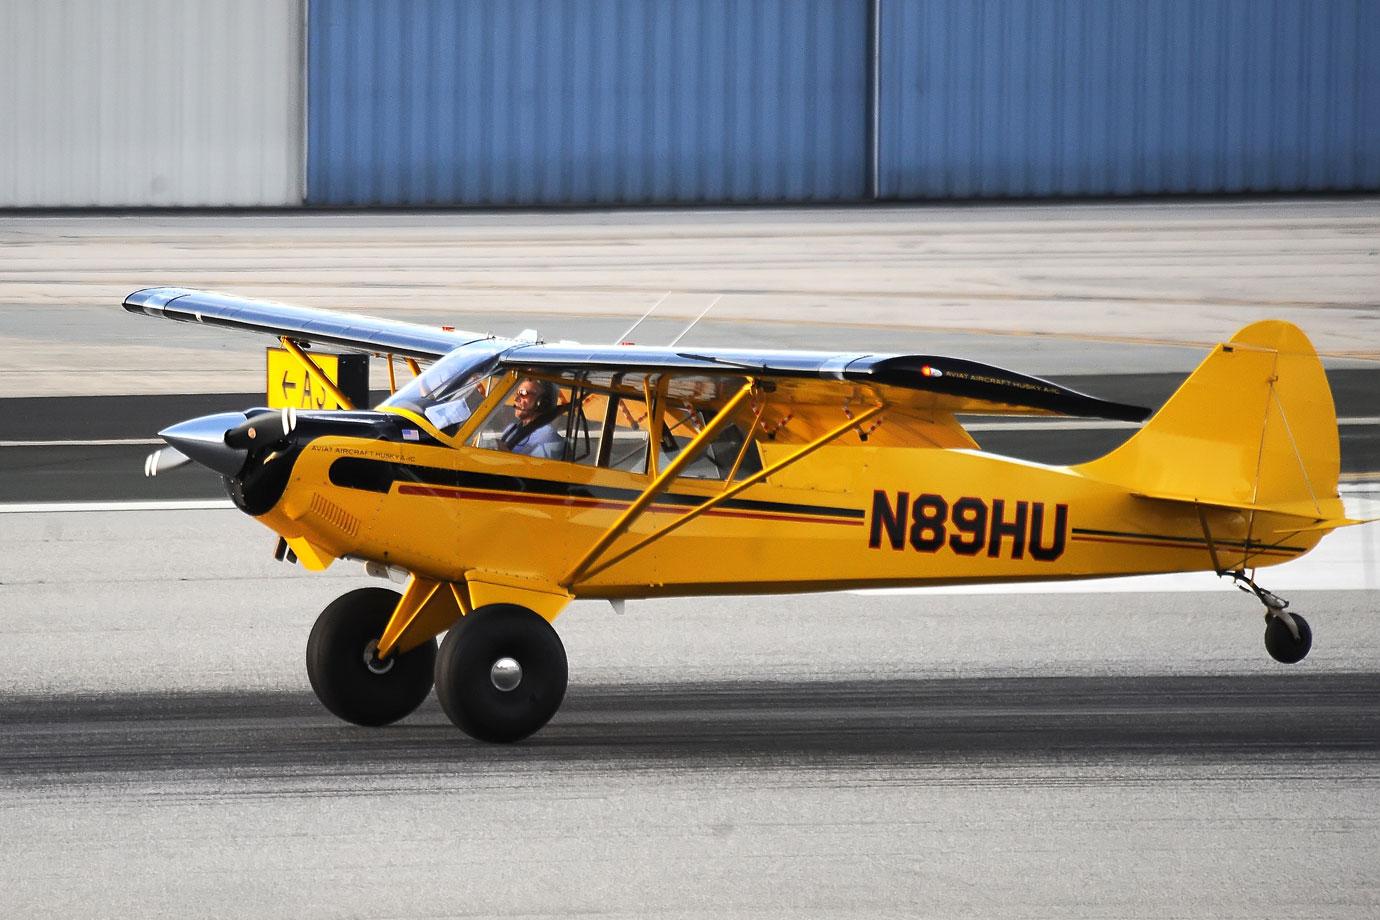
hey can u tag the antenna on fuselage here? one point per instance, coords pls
(695, 320)
(624, 337)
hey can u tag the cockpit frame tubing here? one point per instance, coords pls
(659, 484)
(724, 496)
(748, 442)
(315, 372)
(655, 395)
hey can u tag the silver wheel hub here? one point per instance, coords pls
(375, 664)
(506, 674)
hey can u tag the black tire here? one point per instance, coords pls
(1282, 645)
(337, 661)
(464, 673)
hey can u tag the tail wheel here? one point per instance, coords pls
(1280, 641)
(349, 678)
(501, 673)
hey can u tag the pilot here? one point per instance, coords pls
(532, 433)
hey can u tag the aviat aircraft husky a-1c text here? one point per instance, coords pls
(677, 471)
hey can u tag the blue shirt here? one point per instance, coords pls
(543, 441)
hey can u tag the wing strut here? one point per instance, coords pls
(659, 484)
(724, 496)
(316, 374)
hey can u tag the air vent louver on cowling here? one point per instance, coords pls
(328, 512)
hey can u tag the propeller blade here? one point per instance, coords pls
(164, 459)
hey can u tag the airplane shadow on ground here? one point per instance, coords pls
(892, 723)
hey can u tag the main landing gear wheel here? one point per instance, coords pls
(345, 671)
(501, 673)
(1280, 641)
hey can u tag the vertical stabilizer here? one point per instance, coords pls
(1253, 426)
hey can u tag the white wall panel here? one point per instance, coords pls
(151, 103)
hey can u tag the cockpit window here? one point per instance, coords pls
(449, 391)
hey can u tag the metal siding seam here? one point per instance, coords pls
(874, 89)
(757, 123)
(316, 97)
(389, 156)
(1278, 96)
(1321, 174)
(1255, 52)
(1332, 61)
(526, 78)
(685, 99)
(941, 145)
(1230, 133)
(794, 77)
(585, 78)
(419, 172)
(444, 154)
(657, 122)
(302, 120)
(486, 127)
(1368, 96)
(356, 177)
(509, 89)
(788, 63)
(989, 47)
(713, 95)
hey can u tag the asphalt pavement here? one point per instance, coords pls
(1120, 752)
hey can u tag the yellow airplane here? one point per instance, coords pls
(513, 476)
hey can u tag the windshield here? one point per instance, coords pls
(449, 391)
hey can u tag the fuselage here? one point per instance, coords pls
(844, 517)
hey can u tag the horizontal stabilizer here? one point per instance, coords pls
(1328, 525)
(1305, 511)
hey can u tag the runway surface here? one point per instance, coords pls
(1044, 754)
(1096, 750)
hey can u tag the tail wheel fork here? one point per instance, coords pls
(1288, 637)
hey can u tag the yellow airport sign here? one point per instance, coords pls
(290, 385)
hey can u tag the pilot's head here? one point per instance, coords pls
(532, 398)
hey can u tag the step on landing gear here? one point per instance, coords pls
(1288, 636)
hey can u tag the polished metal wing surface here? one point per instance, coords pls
(301, 324)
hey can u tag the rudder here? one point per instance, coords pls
(1253, 426)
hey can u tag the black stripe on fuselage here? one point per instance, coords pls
(379, 476)
(1188, 542)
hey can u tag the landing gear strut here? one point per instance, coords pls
(1288, 636)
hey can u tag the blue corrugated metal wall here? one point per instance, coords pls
(478, 102)
(1120, 97)
(586, 101)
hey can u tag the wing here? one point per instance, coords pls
(931, 382)
(301, 324)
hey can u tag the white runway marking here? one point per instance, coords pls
(191, 504)
(93, 442)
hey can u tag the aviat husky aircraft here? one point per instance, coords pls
(701, 471)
